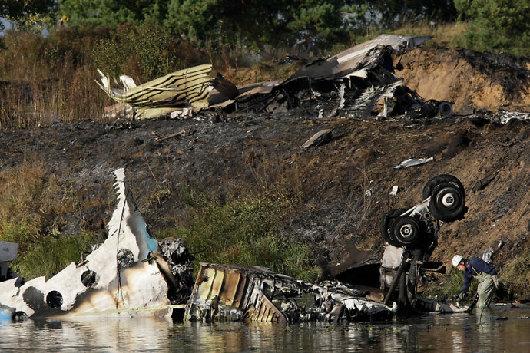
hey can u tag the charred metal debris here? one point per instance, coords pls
(133, 274)
(356, 83)
(411, 236)
(233, 293)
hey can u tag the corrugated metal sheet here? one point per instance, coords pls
(224, 288)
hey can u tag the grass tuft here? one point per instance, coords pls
(245, 232)
(50, 254)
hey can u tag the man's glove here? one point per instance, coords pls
(496, 281)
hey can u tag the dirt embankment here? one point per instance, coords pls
(341, 188)
(469, 79)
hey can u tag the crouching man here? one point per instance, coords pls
(484, 272)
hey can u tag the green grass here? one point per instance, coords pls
(245, 232)
(450, 285)
(50, 254)
(32, 203)
(516, 274)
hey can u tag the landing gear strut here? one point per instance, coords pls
(412, 235)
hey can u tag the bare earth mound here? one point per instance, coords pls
(471, 80)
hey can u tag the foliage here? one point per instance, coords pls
(450, 285)
(144, 51)
(30, 199)
(501, 25)
(392, 13)
(516, 273)
(245, 232)
(16, 9)
(50, 254)
(31, 205)
(496, 25)
(318, 19)
(111, 12)
(253, 22)
(31, 15)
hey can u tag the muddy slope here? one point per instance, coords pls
(469, 79)
(342, 187)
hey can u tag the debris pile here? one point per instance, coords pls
(133, 274)
(358, 82)
(194, 87)
(361, 82)
(232, 293)
(180, 265)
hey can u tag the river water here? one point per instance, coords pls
(503, 330)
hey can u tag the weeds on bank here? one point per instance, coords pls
(50, 254)
(32, 199)
(516, 273)
(245, 231)
(449, 285)
(32, 204)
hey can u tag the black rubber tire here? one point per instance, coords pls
(387, 225)
(406, 230)
(442, 178)
(443, 193)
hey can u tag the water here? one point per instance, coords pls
(430, 333)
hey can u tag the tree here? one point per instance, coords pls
(255, 21)
(112, 12)
(30, 14)
(320, 19)
(16, 9)
(228, 20)
(498, 25)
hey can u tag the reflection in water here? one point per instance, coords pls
(434, 333)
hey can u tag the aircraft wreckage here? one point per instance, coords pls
(132, 274)
(356, 83)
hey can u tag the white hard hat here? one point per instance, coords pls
(456, 260)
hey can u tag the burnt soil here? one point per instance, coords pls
(342, 187)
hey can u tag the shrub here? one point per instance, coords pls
(497, 25)
(32, 206)
(516, 273)
(51, 254)
(450, 285)
(144, 51)
(245, 232)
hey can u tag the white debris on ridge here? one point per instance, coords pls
(411, 162)
(128, 82)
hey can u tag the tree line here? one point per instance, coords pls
(495, 24)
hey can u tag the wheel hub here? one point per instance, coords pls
(448, 200)
(405, 230)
